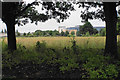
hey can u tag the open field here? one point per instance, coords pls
(88, 42)
(83, 42)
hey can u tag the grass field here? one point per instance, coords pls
(52, 59)
(83, 42)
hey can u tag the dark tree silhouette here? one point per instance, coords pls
(111, 31)
(13, 12)
(107, 12)
(87, 27)
(2, 31)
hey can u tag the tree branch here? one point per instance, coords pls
(22, 11)
(118, 4)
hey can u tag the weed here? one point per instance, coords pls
(74, 46)
(41, 47)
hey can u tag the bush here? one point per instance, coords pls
(87, 34)
(98, 66)
(103, 32)
(91, 63)
(74, 46)
(97, 35)
(4, 45)
(40, 47)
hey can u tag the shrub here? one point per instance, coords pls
(87, 34)
(74, 46)
(4, 45)
(40, 47)
(98, 66)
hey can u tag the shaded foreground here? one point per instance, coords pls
(71, 61)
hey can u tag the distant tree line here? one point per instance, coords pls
(88, 30)
(85, 30)
(38, 33)
(46, 33)
(4, 31)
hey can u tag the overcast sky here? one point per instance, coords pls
(52, 24)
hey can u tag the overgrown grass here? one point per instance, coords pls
(90, 62)
(61, 42)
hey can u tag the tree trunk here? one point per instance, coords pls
(11, 33)
(111, 31)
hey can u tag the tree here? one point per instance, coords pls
(87, 34)
(5, 30)
(62, 33)
(73, 33)
(87, 27)
(24, 34)
(50, 33)
(2, 31)
(111, 32)
(103, 32)
(66, 33)
(107, 12)
(13, 12)
(118, 26)
(95, 31)
(57, 33)
(17, 33)
(78, 33)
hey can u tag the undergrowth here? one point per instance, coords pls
(91, 63)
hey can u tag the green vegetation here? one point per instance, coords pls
(85, 31)
(55, 61)
(103, 32)
(72, 33)
(118, 26)
(87, 27)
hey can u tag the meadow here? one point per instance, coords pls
(61, 42)
(83, 42)
(59, 57)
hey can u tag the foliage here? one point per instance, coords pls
(21, 13)
(24, 34)
(45, 33)
(66, 33)
(74, 46)
(87, 34)
(2, 31)
(4, 45)
(118, 26)
(103, 32)
(62, 33)
(24, 11)
(87, 27)
(41, 47)
(102, 70)
(90, 62)
(17, 33)
(78, 33)
(29, 35)
(72, 33)
(5, 30)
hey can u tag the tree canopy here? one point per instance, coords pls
(20, 13)
(87, 27)
(13, 12)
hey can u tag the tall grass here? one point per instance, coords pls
(65, 60)
(61, 42)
